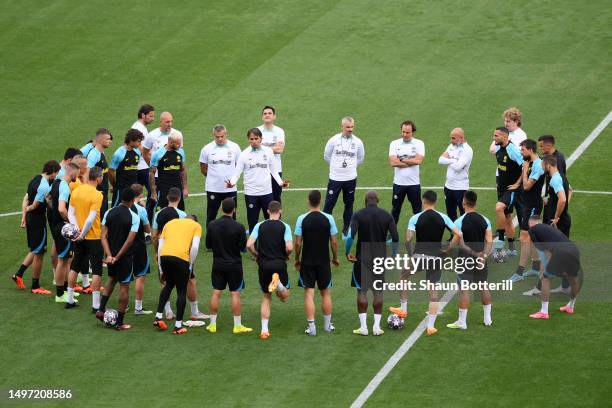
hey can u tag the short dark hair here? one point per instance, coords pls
(137, 188)
(274, 207)
(127, 195)
(550, 139)
(74, 166)
(95, 172)
(228, 205)
(174, 195)
(192, 217)
(133, 135)
(254, 131)
(409, 122)
(145, 110)
(314, 198)
(50, 167)
(269, 107)
(470, 198)
(503, 129)
(71, 152)
(550, 160)
(430, 196)
(104, 131)
(529, 144)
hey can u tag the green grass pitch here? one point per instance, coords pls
(70, 67)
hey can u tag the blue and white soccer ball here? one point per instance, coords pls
(394, 322)
(110, 317)
(70, 232)
(499, 255)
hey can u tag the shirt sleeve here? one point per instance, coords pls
(255, 232)
(41, 191)
(142, 213)
(412, 222)
(117, 157)
(514, 153)
(298, 226)
(392, 149)
(420, 149)
(447, 221)
(239, 169)
(93, 157)
(156, 156)
(198, 230)
(329, 149)
(459, 223)
(556, 183)
(182, 153)
(488, 223)
(288, 236)
(135, 222)
(333, 229)
(360, 153)
(148, 142)
(64, 191)
(155, 225)
(204, 156)
(464, 160)
(536, 170)
(104, 218)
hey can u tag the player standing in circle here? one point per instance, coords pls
(371, 225)
(344, 152)
(141, 266)
(457, 157)
(475, 241)
(406, 155)
(226, 238)
(119, 229)
(273, 137)
(258, 164)
(169, 163)
(34, 220)
(271, 244)
(178, 249)
(146, 116)
(96, 158)
(218, 163)
(315, 234)
(123, 170)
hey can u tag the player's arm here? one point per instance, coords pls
(161, 245)
(275, 174)
(72, 216)
(24, 204)
(464, 160)
(395, 161)
(251, 242)
(360, 154)
(88, 223)
(354, 226)
(152, 171)
(288, 241)
(493, 148)
(237, 173)
(105, 244)
(408, 241)
(193, 251)
(204, 169)
(414, 161)
(298, 251)
(488, 242)
(279, 146)
(445, 159)
(63, 210)
(394, 236)
(112, 176)
(329, 150)
(131, 236)
(155, 239)
(183, 175)
(561, 201)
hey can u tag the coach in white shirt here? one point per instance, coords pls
(218, 163)
(344, 152)
(146, 116)
(159, 137)
(274, 138)
(257, 163)
(406, 155)
(457, 157)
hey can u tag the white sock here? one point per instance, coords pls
(404, 305)
(326, 321)
(280, 287)
(168, 308)
(138, 304)
(363, 321)
(158, 316)
(264, 325)
(237, 321)
(95, 300)
(487, 313)
(571, 303)
(194, 308)
(431, 320)
(311, 326)
(544, 308)
(70, 295)
(376, 322)
(463, 316)
(213, 319)
(178, 324)
(85, 280)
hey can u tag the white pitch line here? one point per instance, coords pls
(418, 332)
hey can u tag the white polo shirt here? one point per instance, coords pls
(344, 154)
(257, 165)
(406, 176)
(269, 139)
(457, 172)
(221, 162)
(142, 164)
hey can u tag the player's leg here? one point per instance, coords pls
(282, 284)
(235, 283)
(548, 263)
(397, 200)
(18, 276)
(276, 189)
(451, 204)
(377, 303)
(95, 253)
(324, 283)
(402, 311)
(182, 279)
(124, 297)
(252, 207)
(109, 288)
(500, 217)
(265, 315)
(213, 307)
(348, 197)
(414, 196)
(331, 197)
(192, 297)
(485, 297)
(140, 269)
(78, 261)
(264, 201)
(433, 276)
(213, 202)
(464, 304)
(362, 310)
(309, 311)
(168, 276)
(459, 200)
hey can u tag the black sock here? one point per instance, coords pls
(103, 302)
(520, 270)
(535, 265)
(59, 290)
(511, 244)
(21, 270)
(65, 285)
(539, 285)
(500, 234)
(35, 283)
(120, 318)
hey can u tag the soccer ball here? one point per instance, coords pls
(70, 232)
(395, 322)
(110, 317)
(500, 255)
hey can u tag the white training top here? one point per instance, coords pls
(344, 155)
(457, 172)
(407, 176)
(269, 139)
(142, 164)
(221, 162)
(515, 137)
(257, 165)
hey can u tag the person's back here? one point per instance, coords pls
(227, 238)
(120, 221)
(372, 225)
(315, 230)
(84, 199)
(473, 227)
(178, 235)
(271, 238)
(166, 215)
(429, 226)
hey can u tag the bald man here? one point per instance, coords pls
(457, 158)
(152, 142)
(168, 170)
